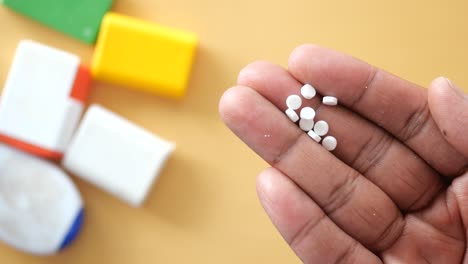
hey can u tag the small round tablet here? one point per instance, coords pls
(306, 124)
(308, 91)
(329, 143)
(329, 100)
(292, 115)
(294, 102)
(321, 128)
(307, 113)
(314, 136)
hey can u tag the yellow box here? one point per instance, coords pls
(143, 55)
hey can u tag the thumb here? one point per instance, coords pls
(449, 108)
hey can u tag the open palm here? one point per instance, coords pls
(395, 190)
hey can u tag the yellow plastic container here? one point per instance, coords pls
(143, 55)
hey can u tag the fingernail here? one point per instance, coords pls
(455, 88)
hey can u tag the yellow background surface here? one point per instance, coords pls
(204, 208)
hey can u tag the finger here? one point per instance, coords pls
(449, 107)
(304, 226)
(390, 165)
(356, 205)
(434, 231)
(398, 106)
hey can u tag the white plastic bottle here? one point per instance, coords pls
(41, 211)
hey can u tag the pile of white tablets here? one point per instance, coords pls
(316, 130)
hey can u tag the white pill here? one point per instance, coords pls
(307, 113)
(330, 100)
(329, 143)
(314, 136)
(306, 124)
(292, 115)
(321, 128)
(294, 102)
(308, 91)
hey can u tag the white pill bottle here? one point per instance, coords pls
(41, 211)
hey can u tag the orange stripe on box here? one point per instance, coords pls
(35, 150)
(82, 84)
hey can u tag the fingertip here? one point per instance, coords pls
(252, 73)
(442, 89)
(228, 106)
(226, 99)
(301, 51)
(438, 89)
(284, 202)
(328, 70)
(303, 225)
(265, 184)
(449, 108)
(440, 81)
(280, 195)
(277, 193)
(442, 98)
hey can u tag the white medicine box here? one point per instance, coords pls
(42, 99)
(116, 155)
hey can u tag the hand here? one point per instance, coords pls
(395, 190)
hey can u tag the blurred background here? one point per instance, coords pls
(204, 208)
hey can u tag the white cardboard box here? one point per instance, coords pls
(116, 155)
(36, 106)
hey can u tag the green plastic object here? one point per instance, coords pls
(79, 18)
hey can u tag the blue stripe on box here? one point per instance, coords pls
(74, 230)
